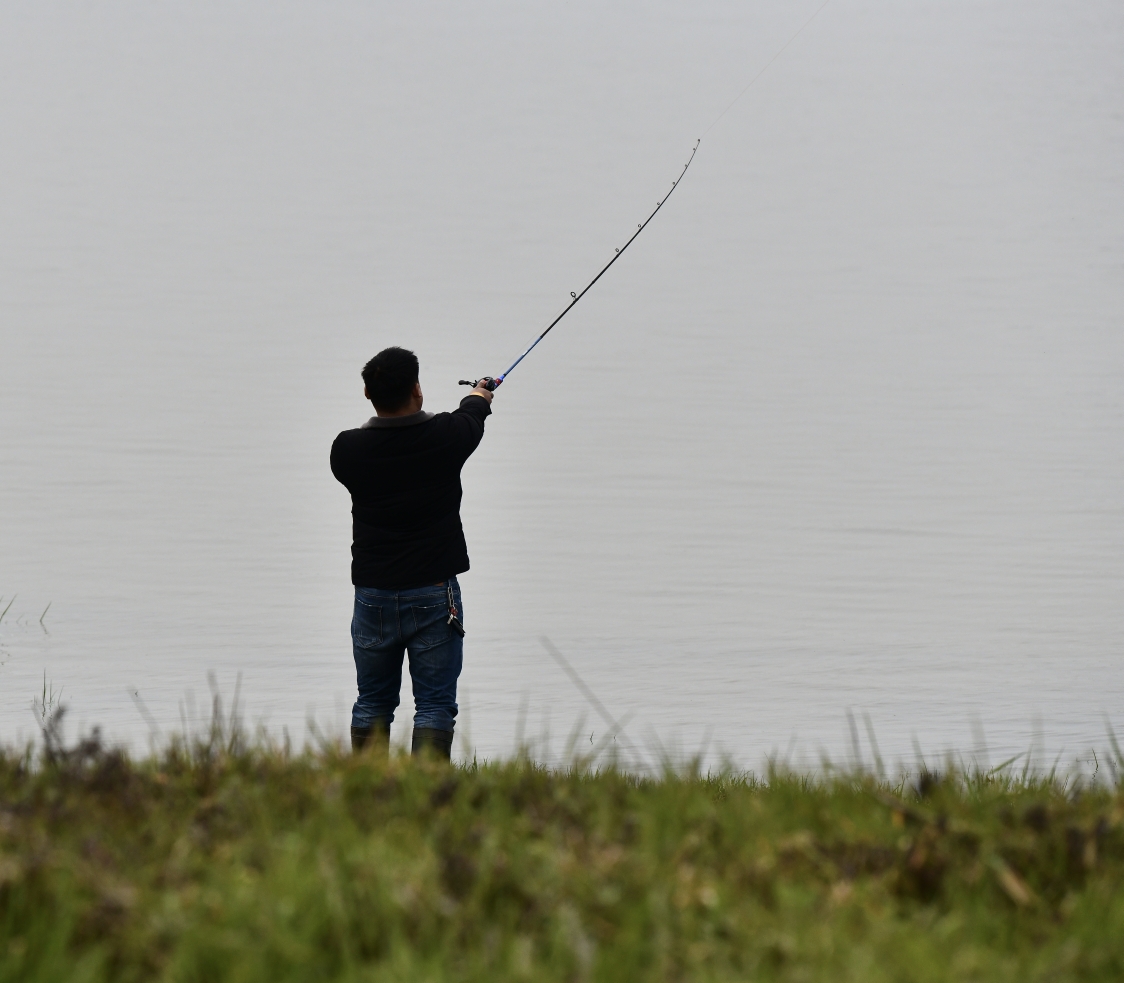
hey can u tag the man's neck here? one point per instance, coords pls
(412, 407)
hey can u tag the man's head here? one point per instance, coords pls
(391, 381)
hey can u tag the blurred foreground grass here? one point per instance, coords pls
(214, 861)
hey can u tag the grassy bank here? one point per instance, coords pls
(210, 863)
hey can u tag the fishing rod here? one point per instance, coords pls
(492, 383)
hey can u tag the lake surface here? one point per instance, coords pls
(843, 431)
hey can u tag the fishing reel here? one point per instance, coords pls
(487, 382)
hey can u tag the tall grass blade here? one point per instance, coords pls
(881, 771)
(597, 705)
(1010, 761)
(856, 751)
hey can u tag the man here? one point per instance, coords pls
(402, 468)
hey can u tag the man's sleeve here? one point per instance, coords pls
(339, 458)
(468, 423)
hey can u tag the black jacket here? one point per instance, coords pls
(404, 475)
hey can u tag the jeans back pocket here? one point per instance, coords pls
(431, 625)
(366, 624)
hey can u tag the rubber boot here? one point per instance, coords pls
(438, 743)
(377, 731)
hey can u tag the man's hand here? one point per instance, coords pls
(484, 386)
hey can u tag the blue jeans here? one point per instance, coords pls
(388, 623)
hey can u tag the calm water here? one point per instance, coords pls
(843, 431)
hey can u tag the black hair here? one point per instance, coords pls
(390, 378)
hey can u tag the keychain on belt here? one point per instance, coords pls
(454, 620)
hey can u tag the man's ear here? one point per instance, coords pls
(366, 395)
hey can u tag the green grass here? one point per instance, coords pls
(216, 861)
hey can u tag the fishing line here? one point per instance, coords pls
(492, 383)
(768, 65)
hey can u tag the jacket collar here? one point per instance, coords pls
(377, 422)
